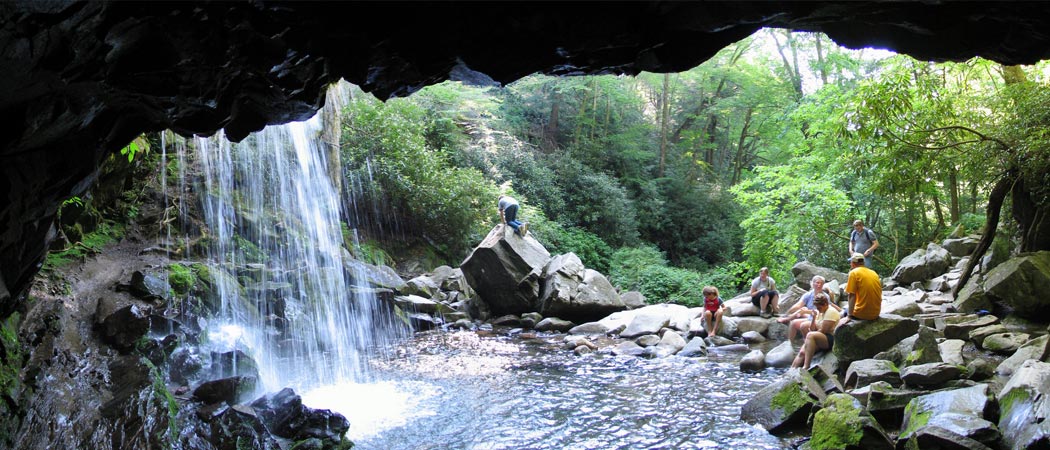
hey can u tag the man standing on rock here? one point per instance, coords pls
(862, 240)
(865, 291)
(508, 215)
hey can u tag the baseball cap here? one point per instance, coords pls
(859, 257)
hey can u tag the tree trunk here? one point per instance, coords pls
(991, 224)
(664, 109)
(953, 192)
(821, 61)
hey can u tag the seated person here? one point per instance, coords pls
(798, 314)
(822, 334)
(764, 293)
(713, 308)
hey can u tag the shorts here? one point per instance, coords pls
(756, 299)
(831, 340)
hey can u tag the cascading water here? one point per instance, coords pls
(272, 221)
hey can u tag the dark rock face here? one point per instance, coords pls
(81, 79)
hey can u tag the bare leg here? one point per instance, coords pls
(762, 302)
(815, 340)
(718, 322)
(707, 322)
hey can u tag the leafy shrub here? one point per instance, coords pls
(591, 249)
(402, 184)
(645, 269)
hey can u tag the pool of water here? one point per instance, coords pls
(462, 390)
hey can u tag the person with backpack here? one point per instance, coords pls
(862, 240)
(508, 215)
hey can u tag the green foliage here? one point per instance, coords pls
(972, 223)
(181, 278)
(138, 146)
(164, 395)
(644, 269)
(591, 249)
(411, 186)
(789, 219)
(89, 244)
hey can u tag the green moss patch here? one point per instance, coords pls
(181, 278)
(838, 425)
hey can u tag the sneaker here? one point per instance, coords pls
(766, 315)
(524, 229)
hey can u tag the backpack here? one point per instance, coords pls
(867, 231)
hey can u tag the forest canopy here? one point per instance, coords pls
(762, 156)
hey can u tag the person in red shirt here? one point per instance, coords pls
(713, 308)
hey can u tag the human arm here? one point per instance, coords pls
(852, 238)
(797, 306)
(826, 326)
(502, 217)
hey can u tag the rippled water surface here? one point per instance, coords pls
(462, 390)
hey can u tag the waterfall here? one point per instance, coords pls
(272, 233)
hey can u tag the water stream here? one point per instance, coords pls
(272, 221)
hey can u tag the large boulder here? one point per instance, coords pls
(804, 271)
(971, 401)
(285, 416)
(862, 339)
(922, 265)
(961, 246)
(780, 356)
(866, 371)
(504, 271)
(785, 404)
(1024, 407)
(1021, 283)
(930, 375)
(843, 424)
(1036, 349)
(574, 292)
(367, 274)
(972, 296)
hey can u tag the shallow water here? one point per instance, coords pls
(465, 391)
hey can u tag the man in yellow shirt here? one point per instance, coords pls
(865, 291)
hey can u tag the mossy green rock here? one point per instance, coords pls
(843, 424)
(862, 339)
(785, 404)
(1024, 407)
(971, 401)
(1021, 283)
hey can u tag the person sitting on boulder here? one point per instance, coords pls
(764, 292)
(822, 336)
(713, 308)
(799, 314)
(508, 215)
(865, 291)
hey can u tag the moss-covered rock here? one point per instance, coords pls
(862, 339)
(181, 278)
(786, 404)
(1024, 407)
(1021, 283)
(843, 424)
(971, 401)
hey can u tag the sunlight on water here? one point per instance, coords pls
(373, 408)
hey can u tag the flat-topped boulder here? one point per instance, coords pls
(862, 339)
(866, 371)
(960, 247)
(930, 375)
